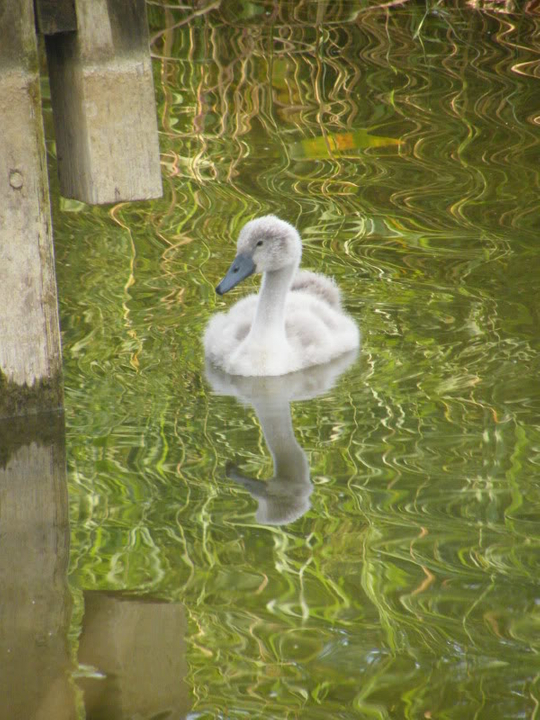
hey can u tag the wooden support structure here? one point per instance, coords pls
(54, 16)
(104, 111)
(107, 148)
(30, 353)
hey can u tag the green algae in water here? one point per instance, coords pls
(42, 396)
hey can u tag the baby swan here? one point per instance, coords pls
(295, 321)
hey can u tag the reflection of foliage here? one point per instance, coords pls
(397, 590)
(250, 84)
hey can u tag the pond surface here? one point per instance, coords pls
(390, 567)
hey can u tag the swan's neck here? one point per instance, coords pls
(269, 322)
(290, 460)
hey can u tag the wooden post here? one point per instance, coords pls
(30, 353)
(53, 16)
(35, 603)
(103, 104)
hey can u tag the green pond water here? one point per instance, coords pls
(392, 571)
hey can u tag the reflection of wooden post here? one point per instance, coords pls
(103, 104)
(138, 645)
(30, 356)
(34, 552)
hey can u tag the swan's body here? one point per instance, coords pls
(295, 321)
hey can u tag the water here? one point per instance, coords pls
(403, 143)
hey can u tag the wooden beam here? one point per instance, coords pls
(103, 104)
(54, 16)
(30, 353)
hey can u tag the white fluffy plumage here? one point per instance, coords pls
(294, 322)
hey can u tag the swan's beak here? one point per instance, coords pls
(241, 268)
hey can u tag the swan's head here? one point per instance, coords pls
(264, 245)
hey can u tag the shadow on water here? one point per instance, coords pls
(285, 497)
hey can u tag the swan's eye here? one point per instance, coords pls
(259, 243)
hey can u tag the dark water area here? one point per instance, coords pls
(362, 541)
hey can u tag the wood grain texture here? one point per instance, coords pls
(104, 106)
(30, 352)
(54, 16)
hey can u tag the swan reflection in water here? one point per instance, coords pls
(285, 496)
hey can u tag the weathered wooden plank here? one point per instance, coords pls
(30, 353)
(103, 104)
(54, 16)
(35, 602)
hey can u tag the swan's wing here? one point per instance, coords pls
(318, 332)
(320, 286)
